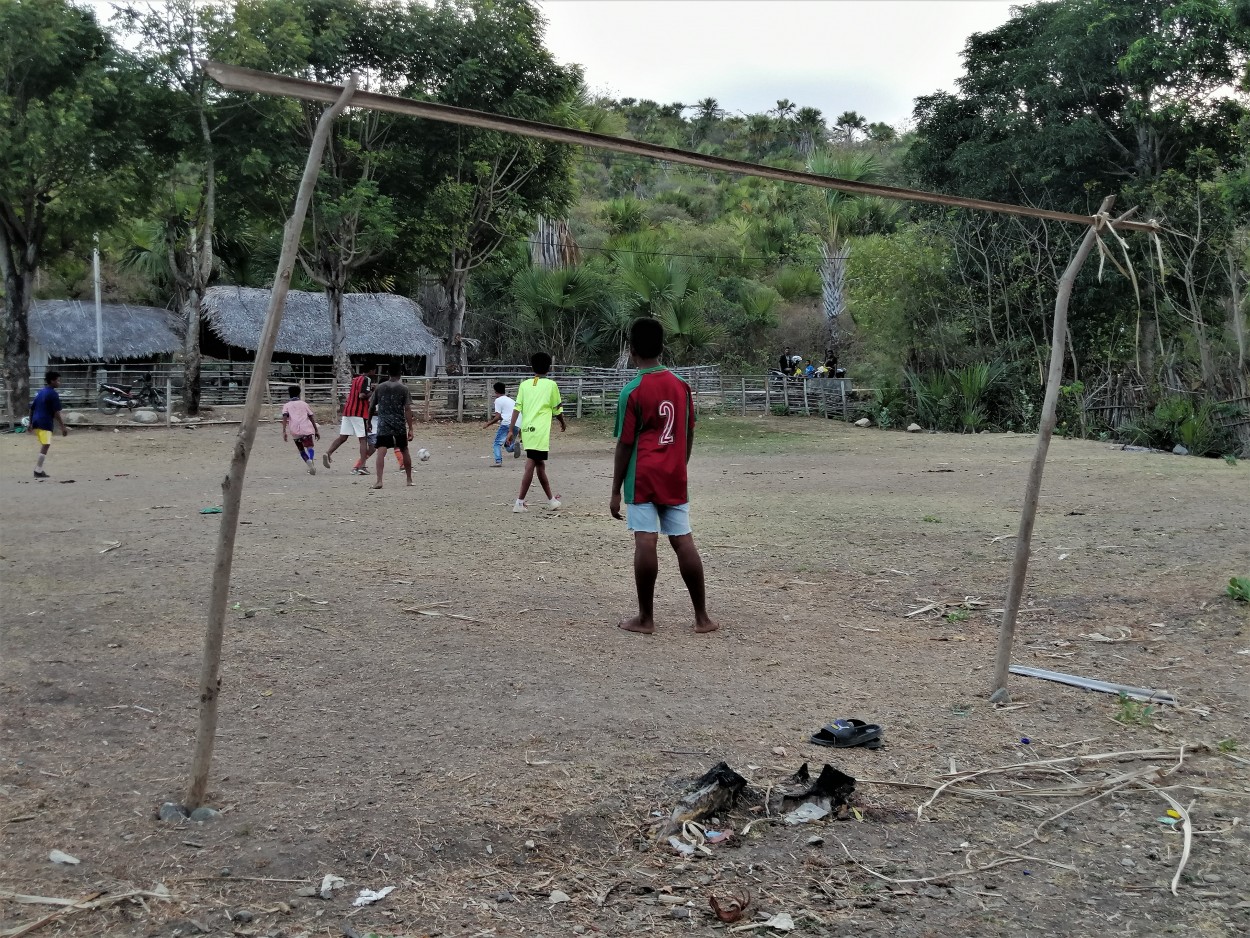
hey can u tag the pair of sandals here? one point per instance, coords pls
(846, 734)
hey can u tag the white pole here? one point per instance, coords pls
(99, 312)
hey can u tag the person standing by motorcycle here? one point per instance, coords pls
(45, 413)
(355, 415)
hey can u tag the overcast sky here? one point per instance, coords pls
(871, 56)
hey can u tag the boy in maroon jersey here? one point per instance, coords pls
(355, 418)
(655, 435)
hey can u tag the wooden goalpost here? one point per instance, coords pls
(339, 97)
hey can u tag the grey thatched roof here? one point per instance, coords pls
(377, 323)
(66, 329)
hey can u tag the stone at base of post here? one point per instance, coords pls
(1000, 696)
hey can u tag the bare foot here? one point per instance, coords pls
(637, 625)
(378, 486)
(411, 483)
(704, 625)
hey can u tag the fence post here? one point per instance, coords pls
(807, 407)
(169, 402)
(460, 399)
(768, 395)
(846, 414)
(744, 396)
(785, 390)
(581, 392)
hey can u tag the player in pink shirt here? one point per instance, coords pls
(298, 421)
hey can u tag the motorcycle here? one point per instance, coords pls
(113, 397)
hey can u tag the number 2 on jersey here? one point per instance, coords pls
(669, 413)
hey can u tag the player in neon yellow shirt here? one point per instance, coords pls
(537, 401)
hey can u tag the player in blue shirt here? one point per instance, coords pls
(45, 413)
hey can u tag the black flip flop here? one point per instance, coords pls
(845, 734)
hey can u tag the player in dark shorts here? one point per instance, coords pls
(393, 401)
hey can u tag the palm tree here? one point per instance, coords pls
(759, 133)
(567, 308)
(784, 109)
(810, 124)
(880, 132)
(840, 215)
(849, 122)
(707, 113)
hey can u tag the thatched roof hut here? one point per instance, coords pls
(378, 324)
(65, 330)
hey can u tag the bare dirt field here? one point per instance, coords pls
(502, 769)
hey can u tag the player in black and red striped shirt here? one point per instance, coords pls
(355, 420)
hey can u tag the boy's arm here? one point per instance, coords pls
(557, 406)
(286, 420)
(620, 465)
(64, 429)
(316, 429)
(409, 417)
(498, 418)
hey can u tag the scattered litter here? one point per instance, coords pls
(368, 896)
(59, 856)
(1106, 687)
(731, 908)
(815, 841)
(782, 921)
(112, 545)
(831, 790)
(779, 750)
(329, 883)
(719, 837)
(1124, 636)
(715, 792)
(557, 896)
(804, 813)
(685, 849)
(210, 511)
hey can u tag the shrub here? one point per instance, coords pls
(1176, 419)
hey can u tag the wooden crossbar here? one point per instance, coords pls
(245, 79)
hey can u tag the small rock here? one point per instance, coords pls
(174, 419)
(173, 812)
(1127, 863)
(242, 915)
(932, 892)
(1179, 450)
(579, 929)
(145, 416)
(914, 428)
(815, 841)
(863, 422)
(59, 856)
(681, 912)
(307, 892)
(558, 896)
(530, 845)
(1213, 877)
(504, 897)
(74, 418)
(204, 813)
(224, 871)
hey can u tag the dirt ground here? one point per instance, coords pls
(488, 765)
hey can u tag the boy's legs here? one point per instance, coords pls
(541, 470)
(527, 477)
(381, 464)
(691, 566)
(406, 461)
(500, 435)
(45, 444)
(646, 569)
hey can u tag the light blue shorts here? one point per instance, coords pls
(669, 520)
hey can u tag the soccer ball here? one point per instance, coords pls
(423, 455)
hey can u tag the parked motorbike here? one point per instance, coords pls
(113, 397)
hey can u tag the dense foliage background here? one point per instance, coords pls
(512, 244)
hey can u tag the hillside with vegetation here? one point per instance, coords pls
(512, 244)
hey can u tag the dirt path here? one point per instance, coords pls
(480, 763)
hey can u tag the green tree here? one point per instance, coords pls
(850, 123)
(68, 151)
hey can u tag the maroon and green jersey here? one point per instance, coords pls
(656, 416)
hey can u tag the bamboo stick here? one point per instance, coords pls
(246, 79)
(232, 485)
(1028, 513)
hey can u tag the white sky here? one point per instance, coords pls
(871, 56)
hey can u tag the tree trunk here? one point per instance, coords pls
(338, 339)
(18, 286)
(201, 272)
(455, 283)
(833, 288)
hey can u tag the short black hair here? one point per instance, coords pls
(293, 391)
(646, 338)
(51, 376)
(499, 387)
(540, 362)
(394, 370)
